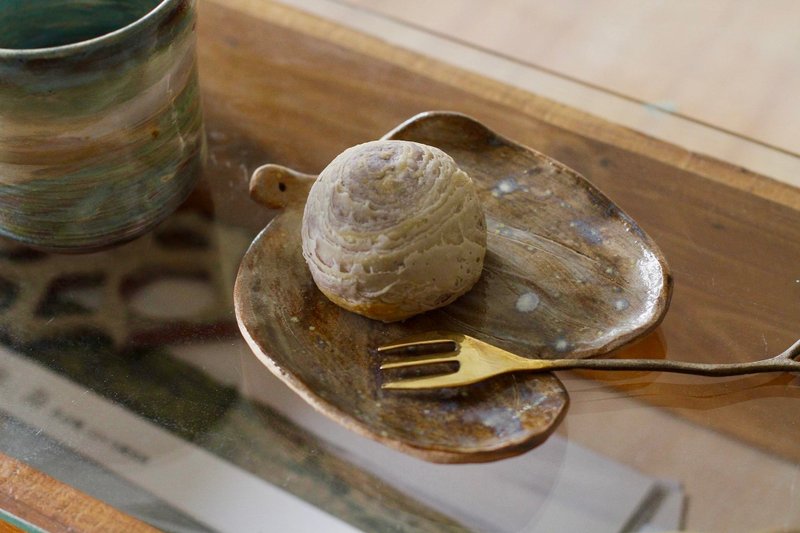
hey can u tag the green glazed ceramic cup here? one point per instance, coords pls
(101, 132)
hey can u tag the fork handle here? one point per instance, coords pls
(784, 362)
(678, 367)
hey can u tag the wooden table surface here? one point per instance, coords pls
(286, 87)
(53, 506)
(730, 64)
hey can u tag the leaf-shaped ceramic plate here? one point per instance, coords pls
(567, 273)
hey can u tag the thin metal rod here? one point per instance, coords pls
(784, 362)
(680, 367)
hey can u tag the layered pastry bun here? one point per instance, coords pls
(392, 229)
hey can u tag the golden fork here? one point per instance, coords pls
(478, 360)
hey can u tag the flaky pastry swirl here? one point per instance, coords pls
(392, 229)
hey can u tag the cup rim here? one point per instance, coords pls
(94, 42)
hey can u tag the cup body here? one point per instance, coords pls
(101, 131)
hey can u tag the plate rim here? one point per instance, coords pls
(448, 454)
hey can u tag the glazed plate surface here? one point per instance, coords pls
(567, 274)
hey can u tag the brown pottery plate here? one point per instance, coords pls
(567, 274)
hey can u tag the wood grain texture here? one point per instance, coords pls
(546, 110)
(731, 64)
(8, 528)
(54, 506)
(304, 89)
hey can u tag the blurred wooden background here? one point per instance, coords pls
(730, 64)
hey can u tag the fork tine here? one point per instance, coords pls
(419, 347)
(441, 347)
(452, 379)
(419, 361)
